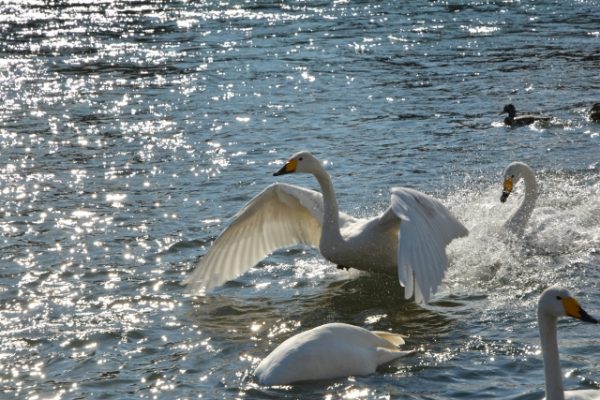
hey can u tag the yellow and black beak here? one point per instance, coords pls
(573, 309)
(508, 187)
(288, 168)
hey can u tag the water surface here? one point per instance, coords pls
(130, 132)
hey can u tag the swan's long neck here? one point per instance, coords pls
(331, 214)
(554, 384)
(518, 220)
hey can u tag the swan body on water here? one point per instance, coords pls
(329, 351)
(555, 303)
(407, 239)
(515, 172)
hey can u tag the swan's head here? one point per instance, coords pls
(300, 162)
(558, 302)
(512, 175)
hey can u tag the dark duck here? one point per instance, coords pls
(595, 112)
(521, 120)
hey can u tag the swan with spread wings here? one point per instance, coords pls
(408, 239)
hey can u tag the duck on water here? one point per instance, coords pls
(595, 112)
(521, 120)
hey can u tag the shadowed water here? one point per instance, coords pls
(130, 132)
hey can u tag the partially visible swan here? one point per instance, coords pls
(513, 173)
(555, 303)
(409, 238)
(329, 351)
(521, 120)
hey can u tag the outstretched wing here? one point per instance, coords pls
(426, 228)
(280, 216)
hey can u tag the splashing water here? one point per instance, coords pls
(560, 244)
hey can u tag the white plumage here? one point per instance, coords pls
(555, 303)
(329, 351)
(408, 239)
(515, 172)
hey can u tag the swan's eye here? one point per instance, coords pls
(558, 298)
(300, 159)
(512, 176)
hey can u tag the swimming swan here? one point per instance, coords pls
(329, 351)
(555, 303)
(409, 237)
(513, 173)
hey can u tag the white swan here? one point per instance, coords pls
(513, 173)
(329, 351)
(555, 303)
(409, 237)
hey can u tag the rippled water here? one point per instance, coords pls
(130, 131)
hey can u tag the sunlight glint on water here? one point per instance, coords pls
(131, 132)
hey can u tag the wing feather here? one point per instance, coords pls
(282, 215)
(426, 228)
